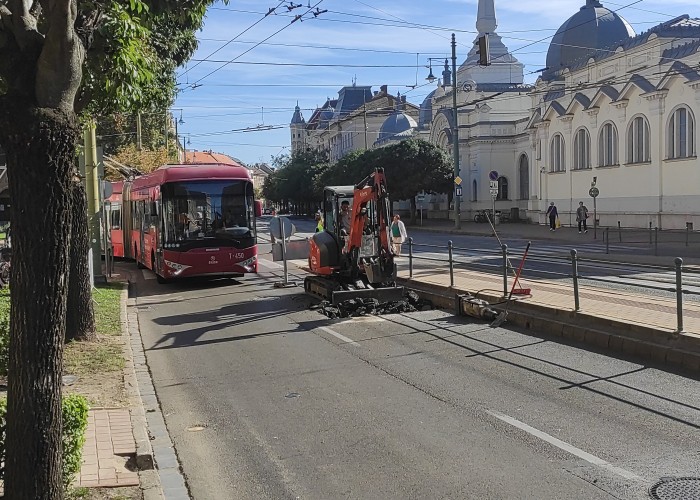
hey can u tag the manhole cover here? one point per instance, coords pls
(676, 488)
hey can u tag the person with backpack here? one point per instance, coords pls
(398, 234)
(581, 216)
(553, 214)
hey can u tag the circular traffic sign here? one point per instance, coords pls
(493, 175)
(593, 192)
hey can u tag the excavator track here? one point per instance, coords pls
(335, 292)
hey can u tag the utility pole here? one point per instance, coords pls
(455, 134)
(364, 116)
(139, 144)
(166, 132)
(92, 188)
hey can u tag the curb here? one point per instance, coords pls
(159, 473)
(665, 347)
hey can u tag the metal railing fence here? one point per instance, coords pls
(455, 258)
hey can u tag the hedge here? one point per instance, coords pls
(75, 416)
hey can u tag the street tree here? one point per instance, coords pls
(411, 166)
(294, 180)
(60, 60)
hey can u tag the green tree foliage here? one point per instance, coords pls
(293, 181)
(411, 166)
(61, 60)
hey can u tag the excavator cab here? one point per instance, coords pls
(353, 253)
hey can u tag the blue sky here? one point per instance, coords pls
(250, 69)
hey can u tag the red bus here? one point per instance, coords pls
(113, 209)
(191, 220)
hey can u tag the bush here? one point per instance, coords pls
(75, 415)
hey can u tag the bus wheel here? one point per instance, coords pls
(136, 258)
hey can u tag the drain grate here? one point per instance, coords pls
(676, 488)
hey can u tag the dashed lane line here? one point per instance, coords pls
(565, 446)
(338, 335)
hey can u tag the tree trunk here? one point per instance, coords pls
(40, 147)
(413, 211)
(80, 313)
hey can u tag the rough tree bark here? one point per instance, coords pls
(40, 152)
(80, 313)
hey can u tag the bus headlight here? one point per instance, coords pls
(249, 264)
(177, 268)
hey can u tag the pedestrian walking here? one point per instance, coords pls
(581, 216)
(398, 234)
(553, 215)
(319, 222)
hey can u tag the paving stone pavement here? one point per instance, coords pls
(109, 450)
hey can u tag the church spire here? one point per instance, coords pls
(486, 17)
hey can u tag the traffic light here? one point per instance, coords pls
(483, 41)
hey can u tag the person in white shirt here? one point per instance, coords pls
(398, 234)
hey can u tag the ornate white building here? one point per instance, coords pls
(622, 116)
(611, 107)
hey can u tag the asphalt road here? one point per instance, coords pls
(421, 405)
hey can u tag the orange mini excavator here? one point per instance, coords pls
(352, 257)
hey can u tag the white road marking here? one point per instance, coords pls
(147, 274)
(269, 265)
(362, 319)
(565, 446)
(338, 335)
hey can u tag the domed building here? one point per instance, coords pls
(592, 28)
(397, 127)
(618, 111)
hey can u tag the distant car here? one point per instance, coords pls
(267, 211)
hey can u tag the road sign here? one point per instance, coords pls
(276, 227)
(420, 198)
(458, 180)
(594, 192)
(493, 185)
(494, 192)
(458, 191)
(493, 175)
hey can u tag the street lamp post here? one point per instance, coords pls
(455, 134)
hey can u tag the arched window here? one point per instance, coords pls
(502, 188)
(638, 148)
(474, 191)
(524, 177)
(681, 134)
(582, 149)
(607, 145)
(556, 154)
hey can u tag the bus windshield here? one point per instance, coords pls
(204, 211)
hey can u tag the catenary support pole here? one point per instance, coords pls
(92, 189)
(410, 257)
